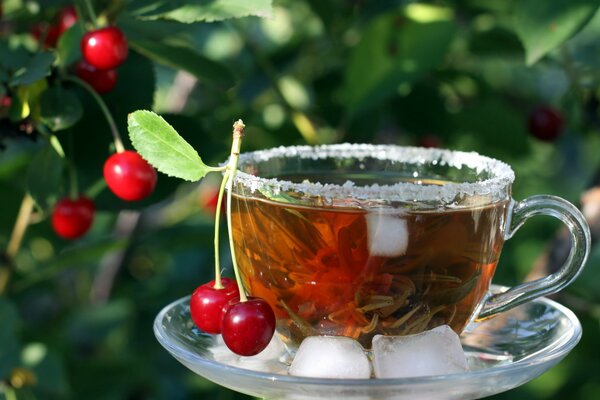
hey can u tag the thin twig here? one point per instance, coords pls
(16, 238)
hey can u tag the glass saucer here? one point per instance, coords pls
(503, 353)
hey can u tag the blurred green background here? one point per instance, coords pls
(76, 318)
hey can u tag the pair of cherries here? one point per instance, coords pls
(103, 51)
(50, 33)
(127, 175)
(246, 326)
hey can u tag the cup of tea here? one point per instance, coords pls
(358, 240)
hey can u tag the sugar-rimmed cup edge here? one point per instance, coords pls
(494, 188)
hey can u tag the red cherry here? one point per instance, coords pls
(5, 101)
(102, 80)
(248, 326)
(208, 199)
(206, 304)
(105, 48)
(72, 218)
(129, 176)
(545, 123)
(49, 33)
(66, 18)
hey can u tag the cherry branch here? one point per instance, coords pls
(109, 118)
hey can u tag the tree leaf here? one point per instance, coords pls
(26, 101)
(396, 49)
(60, 108)
(12, 59)
(69, 45)
(544, 25)
(162, 147)
(204, 10)
(38, 67)
(44, 176)
(179, 57)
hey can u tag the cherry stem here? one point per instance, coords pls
(218, 283)
(109, 118)
(90, 9)
(96, 188)
(238, 134)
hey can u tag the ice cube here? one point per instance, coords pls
(434, 352)
(331, 357)
(387, 234)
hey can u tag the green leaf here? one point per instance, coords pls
(69, 45)
(205, 10)
(9, 350)
(38, 67)
(179, 57)
(544, 25)
(12, 59)
(26, 101)
(162, 147)
(396, 49)
(60, 108)
(44, 177)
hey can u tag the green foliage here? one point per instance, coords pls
(60, 108)
(35, 69)
(208, 11)
(162, 147)
(545, 25)
(69, 47)
(9, 351)
(48, 368)
(395, 50)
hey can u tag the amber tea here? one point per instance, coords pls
(359, 240)
(359, 273)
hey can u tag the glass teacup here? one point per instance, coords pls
(358, 240)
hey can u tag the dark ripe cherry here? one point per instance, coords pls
(430, 141)
(49, 34)
(105, 48)
(129, 176)
(248, 326)
(5, 101)
(545, 123)
(207, 302)
(67, 17)
(102, 80)
(73, 218)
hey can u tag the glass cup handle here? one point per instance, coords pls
(518, 213)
